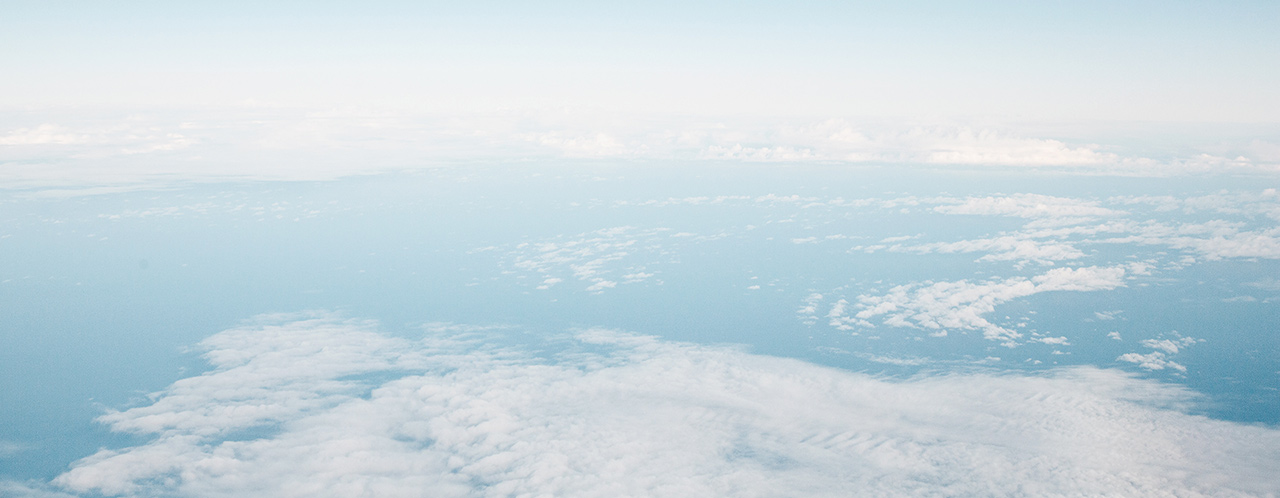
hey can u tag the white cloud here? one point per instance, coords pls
(1107, 315)
(636, 277)
(1026, 206)
(583, 145)
(1005, 248)
(44, 134)
(838, 318)
(1265, 203)
(589, 257)
(16, 489)
(762, 154)
(86, 151)
(1214, 240)
(1155, 360)
(961, 305)
(808, 312)
(1169, 346)
(1163, 345)
(285, 413)
(840, 140)
(601, 285)
(1164, 348)
(909, 361)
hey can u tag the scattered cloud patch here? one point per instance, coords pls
(592, 258)
(1163, 349)
(1169, 346)
(1107, 315)
(1154, 360)
(1059, 341)
(960, 305)
(601, 285)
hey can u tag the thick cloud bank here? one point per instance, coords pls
(320, 406)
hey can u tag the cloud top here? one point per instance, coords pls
(321, 406)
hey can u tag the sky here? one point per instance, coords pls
(1163, 62)
(666, 248)
(143, 94)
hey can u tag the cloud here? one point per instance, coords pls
(601, 285)
(1026, 206)
(1217, 239)
(1005, 248)
(838, 318)
(1164, 348)
(44, 134)
(85, 150)
(1265, 202)
(960, 305)
(808, 311)
(1107, 315)
(840, 140)
(9, 448)
(1155, 360)
(1267, 284)
(589, 257)
(16, 489)
(320, 406)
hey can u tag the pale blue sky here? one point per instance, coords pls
(1047, 61)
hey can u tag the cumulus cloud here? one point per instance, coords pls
(1168, 346)
(1159, 359)
(310, 408)
(1155, 360)
(960, 305)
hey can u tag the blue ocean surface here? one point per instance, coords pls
(1172, 285)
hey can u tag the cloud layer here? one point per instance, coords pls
(320, 406)
(55, 150)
